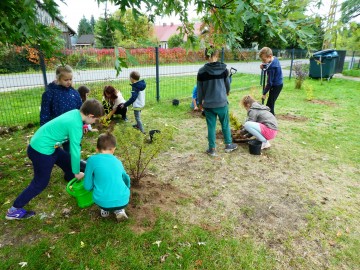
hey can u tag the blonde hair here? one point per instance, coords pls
(60, 70)
(265, 51)
(247, 101)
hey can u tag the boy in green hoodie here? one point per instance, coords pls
(44, 151)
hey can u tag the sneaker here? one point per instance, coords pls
(230, 147)
(211, 152)
(104, 213)
(125, 119)
(135, 126)
(265, 145)
(120, 215)
(19, 214)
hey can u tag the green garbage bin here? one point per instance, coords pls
(328, 60)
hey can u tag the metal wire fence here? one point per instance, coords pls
(169, 74)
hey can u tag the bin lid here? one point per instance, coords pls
(326, 53)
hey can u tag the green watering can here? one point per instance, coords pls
(76, 189)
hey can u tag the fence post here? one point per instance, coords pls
(292, 60)
(43, 68)
(222, 54)
(351, 65)
(157, 73)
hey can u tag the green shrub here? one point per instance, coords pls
(15, 60)
(137, 151)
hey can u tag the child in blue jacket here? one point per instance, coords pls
(271, 65)
(137, 98)
(106, 176)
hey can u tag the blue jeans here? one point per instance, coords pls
(254, 129)
(211, 115)
(43, 165)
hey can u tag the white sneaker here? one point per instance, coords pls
(265, 145)
(104, 213)
(120, 215)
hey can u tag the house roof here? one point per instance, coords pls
(164, 31)
(86, 39)
(71, 31)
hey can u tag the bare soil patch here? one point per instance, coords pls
(323, 102)
(149, 197)
(291, 117)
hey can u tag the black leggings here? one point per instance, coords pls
(273, 95)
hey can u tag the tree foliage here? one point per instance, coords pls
(175, 41)
(227, 20)
(348, 38)
(20, 24)
(105, 32)
(136, 31)
(350, 9)
(84, 27)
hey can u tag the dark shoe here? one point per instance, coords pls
(211, 152)
(230, 147)
(19, 214)
(125, 119)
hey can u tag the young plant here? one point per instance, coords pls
(309, 91)
(234, 122)
(300, 74)
(136, 150)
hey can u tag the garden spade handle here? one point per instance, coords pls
(263, 76)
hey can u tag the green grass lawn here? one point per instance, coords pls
(310, 176)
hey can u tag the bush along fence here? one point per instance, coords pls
(169, 73)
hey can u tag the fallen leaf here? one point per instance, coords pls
(82, 244)
(7, 202)
(157, 243)
(175, 227)
(22, 264)
(163, 258)
(201, 243)
(339, 233)
(177, 256)
(198, 262)
(50, 196)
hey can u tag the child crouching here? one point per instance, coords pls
(106, 176)
(260, 121)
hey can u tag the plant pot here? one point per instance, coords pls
(255, 147)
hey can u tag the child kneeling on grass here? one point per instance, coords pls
(260, 121)
(106, 176)
(44, 152)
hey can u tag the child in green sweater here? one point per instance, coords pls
(44, 151)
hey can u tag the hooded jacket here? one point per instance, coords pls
(213, 85)
(137, 95)
(274, 74)
(261, 114)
